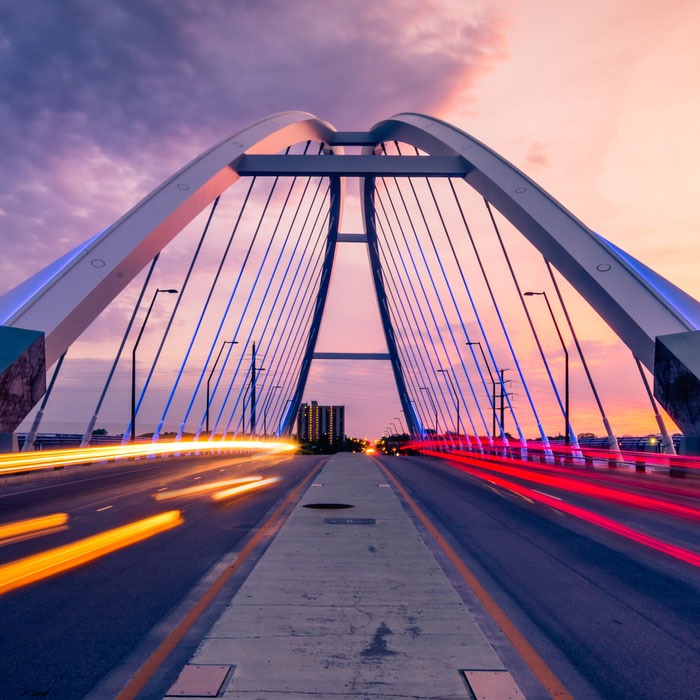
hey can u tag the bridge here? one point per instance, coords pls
(485, 288)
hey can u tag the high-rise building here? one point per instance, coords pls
(313, 421)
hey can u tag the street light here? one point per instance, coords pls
(425, 388)
(567, 426)
(396, 430)
(133, 360)
(493, 384)
(398, 418)
(452, 386)
(211, 374)
(267, 404)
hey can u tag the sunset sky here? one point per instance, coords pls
(597, 101)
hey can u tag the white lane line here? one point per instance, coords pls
(99, 510)
(549, 495)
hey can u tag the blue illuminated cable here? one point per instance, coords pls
(418, 305)
(430, 374)
(438, 296)
(406, 348)
(270, 313)
(477, 316)
(545, 440)
(230, 302)
(497, 309)
(252, 329)
(299, 329)
(269, 284)
(273, 345)
(288, 269)
(491, 400)
(233, 410)
(423, 290)
(87, 435)
(262, 302)
(178, 301)
(402, 326)
(156, 435)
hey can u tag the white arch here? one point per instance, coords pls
(638, 304)
(63, 299)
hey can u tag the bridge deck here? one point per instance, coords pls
(347, 603)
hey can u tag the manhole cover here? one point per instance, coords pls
(328, 506)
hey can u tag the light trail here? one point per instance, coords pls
(576, 485)
(32, 526)
(244, 488)
(27, 461)
(601, 521)
(203, 488)
(54, 561)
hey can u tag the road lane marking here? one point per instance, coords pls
(99, 510)
(549, 495)
(166, 647)
(535, 662)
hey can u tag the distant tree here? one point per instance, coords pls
(100, 431)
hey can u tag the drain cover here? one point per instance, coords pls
(328, 506)
(350, 521)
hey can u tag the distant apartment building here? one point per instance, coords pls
(313, 421)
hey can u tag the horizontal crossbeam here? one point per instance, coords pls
(352, 238)
(351, 356)
(351, 166)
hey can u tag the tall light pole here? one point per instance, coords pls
(396, 430)
(452, 386)
(493, 385)
(253, 370)
(427, 390)
(211, 374)
(567, 428)
(398, 418)
(267, 404)
(133, 360)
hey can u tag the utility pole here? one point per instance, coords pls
(252, 392)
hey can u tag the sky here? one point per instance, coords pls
(597, 101)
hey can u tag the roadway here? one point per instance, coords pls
(611, 617)
(60, 637)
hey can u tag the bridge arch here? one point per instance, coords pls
(655, 319)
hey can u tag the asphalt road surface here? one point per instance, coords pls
(613, 618)
(59, 637)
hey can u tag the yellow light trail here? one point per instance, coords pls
(243, 488)
(32, 525)
(54, 561)
(26, 461)
(203, 488)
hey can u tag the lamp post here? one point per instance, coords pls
(396, 430)
(398, 418)
(567, 428)
(452, 386)
(267, 404)
(253, 370)
(493, 385)
(133, 360)
(427, 390)
(211, 374)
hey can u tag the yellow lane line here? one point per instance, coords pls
(536, 663)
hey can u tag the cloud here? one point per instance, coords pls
(537, 155)
(101, 102)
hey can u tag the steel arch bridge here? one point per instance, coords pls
(42, 317)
